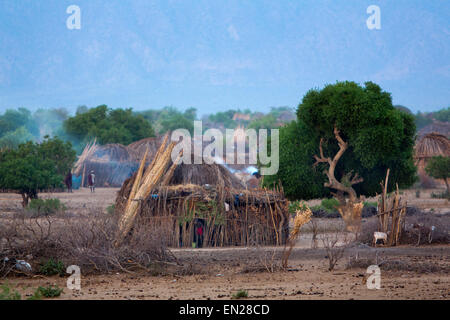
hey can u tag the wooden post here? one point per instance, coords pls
(82, 178)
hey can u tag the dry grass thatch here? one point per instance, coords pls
(432, 144)
(202, 174)
(138, 148)
(114, 152)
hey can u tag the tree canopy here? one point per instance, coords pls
(32, 167)
(378, 135)
(108, 126)
(169, 119)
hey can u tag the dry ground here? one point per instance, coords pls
(422, 272)
(223, 272)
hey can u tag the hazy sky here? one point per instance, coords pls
(219, 54)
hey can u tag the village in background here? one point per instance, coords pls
(120, 204)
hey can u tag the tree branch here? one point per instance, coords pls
(332, 181)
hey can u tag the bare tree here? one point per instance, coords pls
(335, 252)
(349, 210)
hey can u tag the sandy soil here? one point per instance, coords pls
(223, 272)
(103, 197)
(219, 273)
(80, 201)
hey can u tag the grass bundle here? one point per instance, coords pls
(143, 187)
(302, 217)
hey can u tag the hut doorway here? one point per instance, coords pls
(198, 230)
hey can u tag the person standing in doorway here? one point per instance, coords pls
(91, 181)
(199, 234)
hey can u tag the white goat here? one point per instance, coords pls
(379, 235)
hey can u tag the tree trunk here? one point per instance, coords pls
(351, 214)
(349, 210)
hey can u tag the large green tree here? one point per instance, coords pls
(376, 135)
(108, 126)
(35, 166)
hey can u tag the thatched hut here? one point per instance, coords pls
(430, 145)
(111, 163)
(210, 197)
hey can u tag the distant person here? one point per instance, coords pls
(91, 181)
(68, 181)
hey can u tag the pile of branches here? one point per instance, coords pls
(85, 241)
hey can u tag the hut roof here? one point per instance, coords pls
(201, 174)
(113, 152)
(432, 144)
(138, 148)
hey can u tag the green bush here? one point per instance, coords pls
(8, 294)
(370, 204)
(37, 295)
(45, 207)
(329, 205)
(48, 292)
(110, 209)
(296, 205)
(240, 294)
(52, 267)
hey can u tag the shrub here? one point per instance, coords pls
(52, 267)
(329, 205)
(240, 294)
(111, 209)
(37, 295)
(87, 241)
(45, 207)
(49, 291)
(334, 251)
(8, 294)
(370, 204)
(296, 205)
